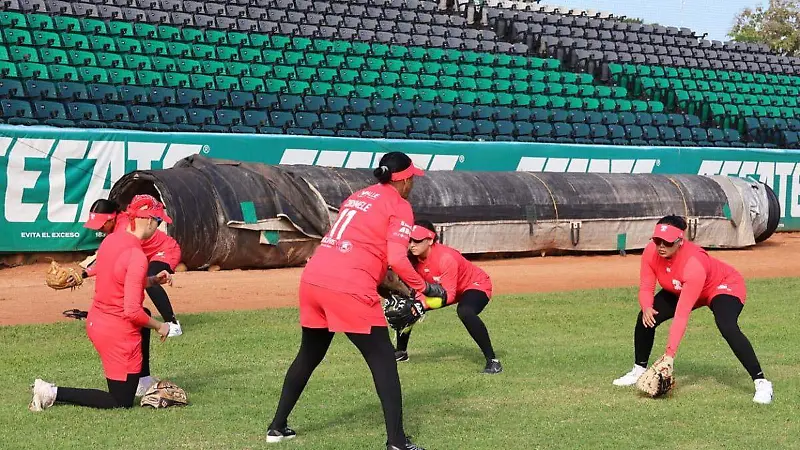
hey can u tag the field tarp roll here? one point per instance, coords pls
(236, 215)
(223, 211)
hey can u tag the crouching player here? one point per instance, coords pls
(690, 279)
(466, 284)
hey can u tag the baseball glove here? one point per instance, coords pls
(59, 277)
(393, 284)
(163, 395)
(403, 311)
(659, 379)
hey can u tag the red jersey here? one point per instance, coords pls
(448, 267)
(373, 227)
(694, 276)
(158, 247)
(119, 290)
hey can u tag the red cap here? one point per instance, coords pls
(407, 173)
(144, 206)
(97, 220)
(667, 232)
(419, 233)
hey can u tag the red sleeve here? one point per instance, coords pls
(695, 277)
(401, 219)
(134, 288)
(398, 261)
(448, 267)
(647, 278)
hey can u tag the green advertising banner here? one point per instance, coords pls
(50, 177)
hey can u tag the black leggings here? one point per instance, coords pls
(470, 304)
(120, 393)
(157, 293)
(376, 348)
(726, 309)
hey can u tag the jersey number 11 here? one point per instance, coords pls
(344, 219)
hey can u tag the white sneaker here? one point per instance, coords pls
(629, 379)
(763, 392)
(175, 329)
(144, 385)
(44, 395)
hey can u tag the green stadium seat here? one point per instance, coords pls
(145, 30)
(93, 74)
(109, 60)
(128, 45)
(203, 51)
(299, 59)
(237, 69)
(137, 62)
(23, 54)
(93, 26)
(62, 73)
(227, 53)
(54, 56)
(150, 78)
(163, 64)
(74, 41)
(33, 70)
(11, 19)
(102, 43)
(17, 36)
(152, 47)
(121, 76)
(168, 33)
(179, 50)
(210, 67)
(270, 56)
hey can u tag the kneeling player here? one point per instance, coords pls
(467, 285)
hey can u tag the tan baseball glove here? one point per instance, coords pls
(59, 277)
(659, 379)
(164, 394)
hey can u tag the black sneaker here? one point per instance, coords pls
(408, 446)
(274, 436)
(400, 356)
(493, 366)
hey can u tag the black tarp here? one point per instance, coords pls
(206, 196)
(473, 196)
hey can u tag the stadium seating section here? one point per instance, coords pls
(387, 69)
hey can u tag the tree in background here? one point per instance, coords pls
(778, 26)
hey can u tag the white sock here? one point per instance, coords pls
(55, 390)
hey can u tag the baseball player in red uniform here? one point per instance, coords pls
(690, 279)
(466, 284)
(117, 324)
(338, 292)
(162, 252)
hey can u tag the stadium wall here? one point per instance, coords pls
(50, 177)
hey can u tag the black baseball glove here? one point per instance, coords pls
(403, 311)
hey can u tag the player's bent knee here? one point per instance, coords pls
(464, 312)
(728, 328)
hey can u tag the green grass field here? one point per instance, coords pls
(560, 353)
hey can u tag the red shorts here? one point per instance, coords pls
(339, 312)
(119, 345)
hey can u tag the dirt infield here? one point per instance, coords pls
(24, 298)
